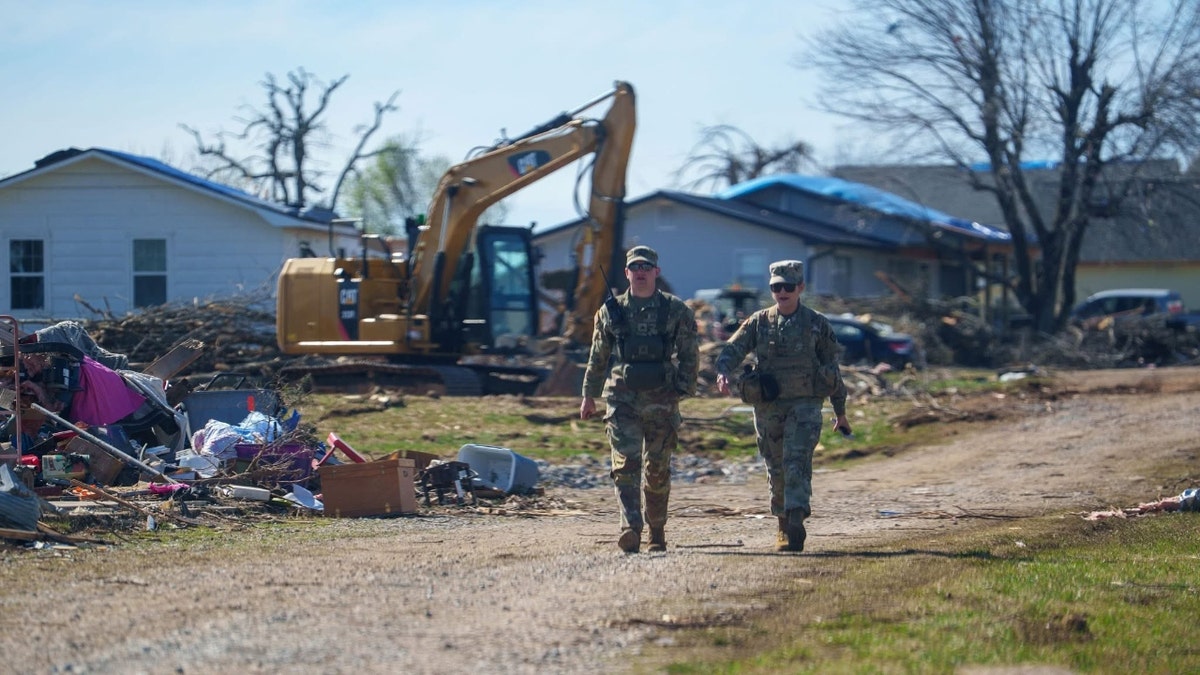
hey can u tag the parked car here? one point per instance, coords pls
(1127, 303)
(874, 343)
(731, 305)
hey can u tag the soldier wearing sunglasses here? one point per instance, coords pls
(645, 356)
(797, 368)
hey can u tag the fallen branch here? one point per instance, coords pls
(130, 505)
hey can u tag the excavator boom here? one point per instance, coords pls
(468, 189)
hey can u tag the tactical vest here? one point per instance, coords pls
(646, 358)
(799, 373)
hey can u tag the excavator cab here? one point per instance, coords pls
(498, 293)
(357, 305)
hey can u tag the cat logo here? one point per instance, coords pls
(528, 161)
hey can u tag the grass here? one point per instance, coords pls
(1108, 596)
(549, 427)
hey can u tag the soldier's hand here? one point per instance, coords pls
(587, 408)
(723, 384)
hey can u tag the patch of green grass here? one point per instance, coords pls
(1111, 596)
(549, 427)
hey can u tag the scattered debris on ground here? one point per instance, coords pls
(1188, 500)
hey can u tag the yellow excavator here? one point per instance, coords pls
(463, 289)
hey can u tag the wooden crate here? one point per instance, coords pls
(379, 488)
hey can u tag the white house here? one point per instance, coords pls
(119, 231)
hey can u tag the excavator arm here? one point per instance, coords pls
(598, 248)
(469, 188)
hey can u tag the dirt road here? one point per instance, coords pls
(547, 590)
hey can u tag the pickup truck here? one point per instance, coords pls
(1126, 304)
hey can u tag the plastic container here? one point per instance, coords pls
(500, 468)
(293, 459)
(228, 405)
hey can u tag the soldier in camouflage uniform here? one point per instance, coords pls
(796, 352)
(645, 356)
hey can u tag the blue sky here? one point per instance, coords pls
(124, 74)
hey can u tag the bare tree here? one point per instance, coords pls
(725, 155)
(282, 138)
(1099, 86)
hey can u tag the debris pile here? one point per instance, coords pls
(176, 456)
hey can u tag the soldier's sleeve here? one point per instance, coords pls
(687, 349)
(598, 359)
(827, 352)
(738, 346)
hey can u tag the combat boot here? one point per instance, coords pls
(630, 540)
(658, 539)
(795, 530)
(781, 537)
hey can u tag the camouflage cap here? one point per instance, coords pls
(787, 272)
(641, 254)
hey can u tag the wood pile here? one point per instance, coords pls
(238, 336)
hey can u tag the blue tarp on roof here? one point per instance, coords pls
(870, 197)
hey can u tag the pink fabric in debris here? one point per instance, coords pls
(104, 397)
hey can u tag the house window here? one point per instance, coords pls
(750, 268)
(149, 272)
(27, 273)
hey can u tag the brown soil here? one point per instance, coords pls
(545, 589)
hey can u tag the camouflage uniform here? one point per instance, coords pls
(800, 352)
(642, 418)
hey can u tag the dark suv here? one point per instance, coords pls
(1121, 303)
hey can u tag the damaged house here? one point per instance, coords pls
(1146, 239)
(857, 241)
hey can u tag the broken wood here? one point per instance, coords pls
(181, 356)
(130, 505)
(24, 535)
(51, 533)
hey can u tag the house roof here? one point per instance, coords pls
(1161, 222)
(810, 229)
(872, 198)
(309, 216)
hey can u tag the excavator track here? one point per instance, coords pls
(445, 380)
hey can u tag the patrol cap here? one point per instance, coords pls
(641, 254)
(787, 272)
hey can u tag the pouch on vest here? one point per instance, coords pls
(640, 376)
(825, 379)
(646, 356)
(754, 386)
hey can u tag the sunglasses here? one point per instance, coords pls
(775, 288)
(640, 266)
